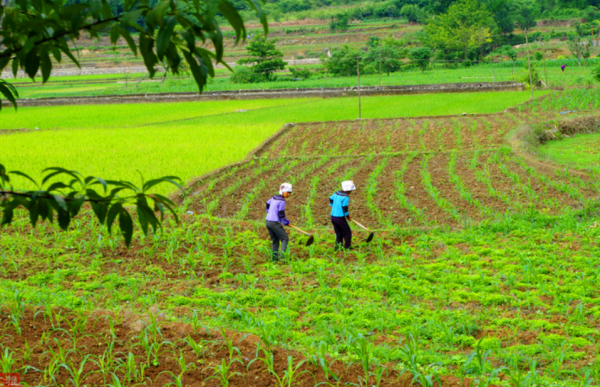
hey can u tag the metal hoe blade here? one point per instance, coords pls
(370, 237)
(310, 240)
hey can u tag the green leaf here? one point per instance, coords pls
(98, 180)
(162, 202)
(233, 17)
(34, 212)
(46, 65)
(58, 171)
(114, 33)
(3, 176)
(100, 208)
(3, 62)
(112, 214)
(32, 63)
(62, 44)
(9, 92)
(166, 179)
(164, 36)
(15, 66)
(196, 70)
(56, 186)
(146, 46)
(129, 40)
(45, 209)
(130, 19)
(75, 205)
(18, 173)
(8, 212)
(145, 214)
(160, 10)
(126, 226)
(64, 218)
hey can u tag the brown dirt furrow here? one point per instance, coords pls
(284, 141)
(202, 187)
(387, 200)
(446, 138)
(118, 336)
(503, 183)
(440, 178)
(431, 135)
(232, 204)
(469, 133)
(416, 193)
(399, 135)
(478, 190)
(544, 191)
(301, 190)
(247, 176)
(412, 140)
(311, 140)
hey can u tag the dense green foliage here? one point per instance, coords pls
(264, 58)
(53, 196)
(167, 33)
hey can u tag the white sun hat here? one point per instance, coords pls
(348, 185)
(285, 187)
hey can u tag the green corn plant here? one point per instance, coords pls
(222, 372)
(27, 351)
(60, 353)
(7, 362)
(49, 373)
(77, 374)
(409, 354)
(324, 363)
(227, 342)
(291, 373)
(200, 348)
(363, 350)
(425, 380)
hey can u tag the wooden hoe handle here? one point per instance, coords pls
(296, 228)
(360, 225)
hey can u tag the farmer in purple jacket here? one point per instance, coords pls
(276, 220)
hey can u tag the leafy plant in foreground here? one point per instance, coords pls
(67, 200)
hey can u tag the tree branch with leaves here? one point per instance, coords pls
(34, 32)
(53, 199)
(168, 34)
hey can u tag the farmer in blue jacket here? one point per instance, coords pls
(340, 215)
(276, 220)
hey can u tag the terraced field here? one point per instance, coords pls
(409, 172)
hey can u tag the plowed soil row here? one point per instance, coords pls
(101, 351)
(386, 209)
(386, 136)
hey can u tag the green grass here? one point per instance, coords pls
(124, 115)
(581, 151)
(113, 146)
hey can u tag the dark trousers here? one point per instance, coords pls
(343, 233)
(278, 235)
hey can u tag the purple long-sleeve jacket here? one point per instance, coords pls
(276, 210)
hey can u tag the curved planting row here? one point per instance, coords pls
(418, 189)
(395, 135)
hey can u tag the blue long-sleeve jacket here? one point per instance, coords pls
(339, 203)
(276, 210)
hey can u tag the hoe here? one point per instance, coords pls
(371, 234)
(311, 238)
